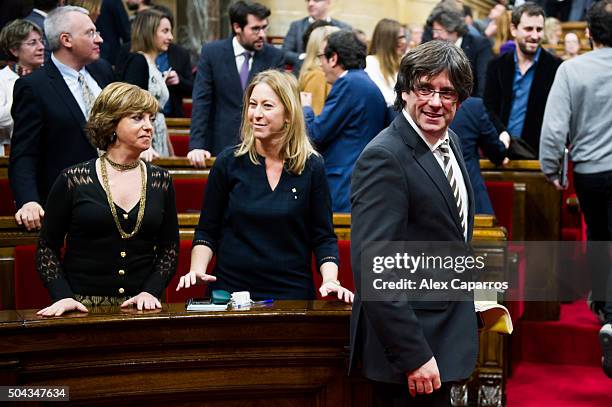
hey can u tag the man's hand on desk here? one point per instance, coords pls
(62, 306)
(425, 379)
(30, 215)
(194, 278)
(197, 157)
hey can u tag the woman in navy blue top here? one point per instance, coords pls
(267, 205)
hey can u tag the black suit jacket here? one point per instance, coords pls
(498, 94)
(217, 94)
(400, 193)
(114, 26)
(478, 51)
(49, 131)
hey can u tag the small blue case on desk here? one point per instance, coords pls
(220, 297)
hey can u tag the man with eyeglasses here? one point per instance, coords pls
(410, 184)
(224, 71)
(354, 112)
(51, 107)
(293, 44)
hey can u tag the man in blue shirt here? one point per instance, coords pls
(354, 113)
(518, 82)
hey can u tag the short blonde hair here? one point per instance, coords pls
(116, 101)
(144, 29)
(311, 60)
(295, 145)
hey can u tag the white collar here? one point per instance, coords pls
(312, 20)
(42, 13)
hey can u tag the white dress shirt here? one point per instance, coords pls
(7, 83)
(238, 51)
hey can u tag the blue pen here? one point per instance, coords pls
(263, 302)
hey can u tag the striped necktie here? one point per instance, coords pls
(450, 176)
(88, 96)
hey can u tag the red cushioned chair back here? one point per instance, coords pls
(187, 107)
(502, 199)
(7, 204)
(183, 268)
(189, 194)
(29, 290)
(345, 272)
(180, 143)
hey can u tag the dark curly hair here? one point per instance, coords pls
(429, 60)
(599, 21)
(350, 51)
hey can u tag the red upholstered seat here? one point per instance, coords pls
(187, 106)
(502, 199)
(345, 271)
(189, 194)
(183, 267)
(180, 143)
(7, 204)
(29, 289)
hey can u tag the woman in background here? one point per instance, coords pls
(22, 42)
(116, 215)
(151, 34)
(388, 46)
(312, 78)
(267, 206)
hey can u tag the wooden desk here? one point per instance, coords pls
(542, 223)
(293, 353)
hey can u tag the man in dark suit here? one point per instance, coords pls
(114, 26)
(448, 24)
(225, 69)
(293, 44)
(410, 184)
(50, 109)
(477, 133)
(518, 82)
(354, 112)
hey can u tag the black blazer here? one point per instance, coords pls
(478, 51)
(49, 131)
(400, 193)
(217, 94)
(114, 26)
(498, 93)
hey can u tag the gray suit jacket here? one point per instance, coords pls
(293, 45)
(400, 193)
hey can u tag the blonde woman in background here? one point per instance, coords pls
(552, 34)
(388, 46)
(503, 37)
(312, 78)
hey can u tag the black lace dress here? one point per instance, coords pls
(98, 265)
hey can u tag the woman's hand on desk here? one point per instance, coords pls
(144, 300)
(332, 286)
(194, 278)
(59, 307)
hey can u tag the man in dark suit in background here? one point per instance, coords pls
(518, 82)
(225, 69)
(114, 26)
(448, 24)
(354, 113)
(410, 184)
(477, 133)
(293, 44)
(50, 109)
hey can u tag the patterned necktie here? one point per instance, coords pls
(88, 96)
(244, 71)
(448, 170)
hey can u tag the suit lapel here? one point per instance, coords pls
(425, 158)
(258, 63)
(64, 93)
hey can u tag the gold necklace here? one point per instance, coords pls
(121, 167)
(111, 203)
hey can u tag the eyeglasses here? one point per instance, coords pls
(257, 29)
(33, 43)
(93, 34)
(425, 92)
